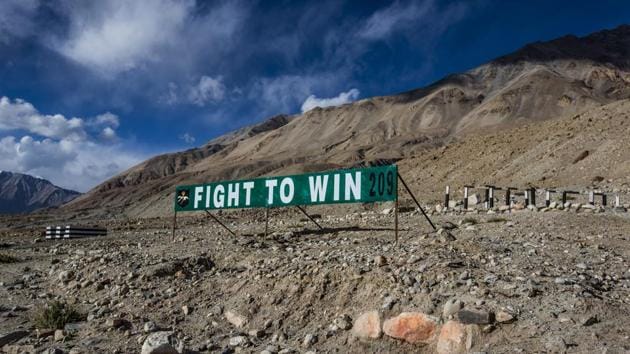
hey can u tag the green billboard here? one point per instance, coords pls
(359, 185)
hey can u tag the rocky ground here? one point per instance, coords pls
(525, 281)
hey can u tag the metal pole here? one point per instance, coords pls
(415, 200)
(591, 198)
(617, 201)
(266, 221)
(220, 223)
(491, 201)
(604, 199)
(308, 216)
(507, 196)
(396, 218)
(174, 224)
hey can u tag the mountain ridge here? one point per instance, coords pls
(22, 193)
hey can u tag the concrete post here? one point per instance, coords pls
(526, 194)
(547, 198)
(446, 197)
(465, 198)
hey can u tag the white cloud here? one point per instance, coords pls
(21, 115)
(106, 119)
(284, 93)
(207, 90)
(69, 152)
(121, 35)
(78, 165)
(396, 16)
(343, 98)
(187, 138)
(108, 134)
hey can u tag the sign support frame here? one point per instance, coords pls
(308, 216)
(219, 222)
(414, 199)
(266, 221)
(396, 218)
(174, 225)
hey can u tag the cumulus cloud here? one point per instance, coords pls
(122, 34)
(207, 90)
(106, 119)
(73, 153)
(344, 97)
(21, 115)
(108, 134)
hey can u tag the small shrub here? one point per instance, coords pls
(56, 314)
(5, 258)
(469, 220)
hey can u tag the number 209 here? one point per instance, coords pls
(381, 183)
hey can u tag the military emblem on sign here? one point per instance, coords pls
(183, 197)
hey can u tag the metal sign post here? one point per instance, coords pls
(174, 224)
(396, 219)
(308, 216)
(220, 223)
(266, 221)
(415, 200)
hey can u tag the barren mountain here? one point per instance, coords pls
(506, 100)
(20, 193)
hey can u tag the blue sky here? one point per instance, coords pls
(89, 88)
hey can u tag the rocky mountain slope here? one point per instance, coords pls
(20, 193)
(560, 79)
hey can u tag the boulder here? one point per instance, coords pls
(457, 338)
(451, 307)
(475, 317)
(162, 343)
(238, 321)
(413, 327)
(367, 325)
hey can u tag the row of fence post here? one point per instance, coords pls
(529, 195)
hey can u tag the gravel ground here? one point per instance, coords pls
(530, 282)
